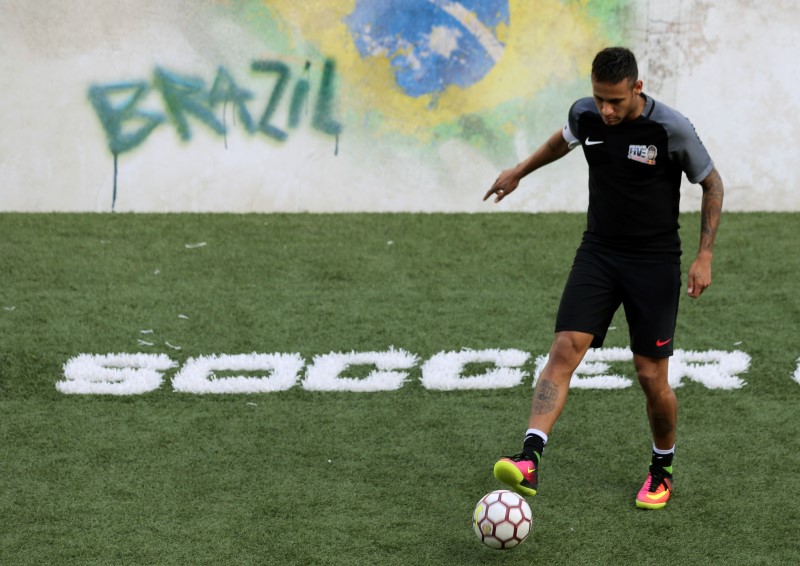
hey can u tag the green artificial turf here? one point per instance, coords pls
(390, 478)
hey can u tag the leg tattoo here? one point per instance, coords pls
(544, 399)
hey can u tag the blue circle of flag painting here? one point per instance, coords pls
(431, 44)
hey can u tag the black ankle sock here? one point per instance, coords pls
(533, 446)
(662, 460)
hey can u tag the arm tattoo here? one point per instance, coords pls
(710, 209)
(544, 397)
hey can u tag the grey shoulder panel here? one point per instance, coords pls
(685, 145)
(579, 107)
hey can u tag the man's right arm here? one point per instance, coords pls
(553, 149)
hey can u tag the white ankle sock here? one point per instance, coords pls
(537, 432)
(663, 452)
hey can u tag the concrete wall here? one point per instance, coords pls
(369, 105)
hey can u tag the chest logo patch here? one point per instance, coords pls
(643, 153)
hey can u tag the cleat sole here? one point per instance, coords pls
(509, 474)
(643, 505)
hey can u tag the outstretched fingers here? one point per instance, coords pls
(502, 187)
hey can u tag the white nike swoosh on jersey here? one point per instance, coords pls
(590, 142)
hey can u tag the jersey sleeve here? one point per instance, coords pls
(569, 137)
(685, 146)
(570, 132)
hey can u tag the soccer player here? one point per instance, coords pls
(637, 149)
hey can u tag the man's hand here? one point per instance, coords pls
(504, 185)
(554, 148)
(710, 210)
(699, 274)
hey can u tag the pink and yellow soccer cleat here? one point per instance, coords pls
(656, 489)
(519, 473)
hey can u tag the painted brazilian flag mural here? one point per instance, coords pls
(406, 94)
(431, 45)
(468, 68)
(436, 69)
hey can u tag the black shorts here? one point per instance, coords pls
(649, 290)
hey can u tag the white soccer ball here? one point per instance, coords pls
(502, 519)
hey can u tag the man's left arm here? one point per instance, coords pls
(710, 211)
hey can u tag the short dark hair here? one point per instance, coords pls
(615, 64)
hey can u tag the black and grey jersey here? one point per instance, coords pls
(635, 170)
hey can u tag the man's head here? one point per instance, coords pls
(616, 85)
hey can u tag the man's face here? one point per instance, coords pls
(617, 102)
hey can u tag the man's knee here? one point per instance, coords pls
(569, 348)
(653, 373)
